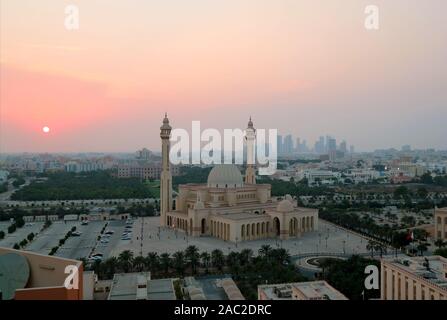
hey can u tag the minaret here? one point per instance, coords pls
(166, 177)
(250, 137)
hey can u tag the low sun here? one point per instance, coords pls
(46, 129)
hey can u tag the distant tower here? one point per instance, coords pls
(166, 177)
(250, 137)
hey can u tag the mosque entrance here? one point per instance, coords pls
(203, 226)
(276, 226)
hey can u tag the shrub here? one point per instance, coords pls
(30, 237)
(12, 228)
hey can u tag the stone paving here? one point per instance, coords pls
(328, 239)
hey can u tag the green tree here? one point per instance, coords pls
(178, 262)
(217, 259)
(125, 260)
(153, 262)
(193, 257)
(139, 264)
(165, 262)
(440, 243)
(265, 250)
(205, 257)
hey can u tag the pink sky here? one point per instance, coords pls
(308, 68)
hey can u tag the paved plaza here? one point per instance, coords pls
(328, 239)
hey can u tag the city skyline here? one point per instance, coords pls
(376, 89)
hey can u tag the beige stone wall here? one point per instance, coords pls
(399, 284)
(47, 276)
(440, 224)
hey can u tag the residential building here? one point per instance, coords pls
(312, 290)
(414, 278)
(140, 286)
(43, 276)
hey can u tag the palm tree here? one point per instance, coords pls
(440, 243)
(265, 250)
(245, 256)
(153, 262)
(370, 246)
(379, 247)
(217, 259)
(126, 259)
(110, 266)
(206, 258)
(139, 264)
(165, 262)
(178, 262)
(192, 255)
(280, 255)
(233, 262)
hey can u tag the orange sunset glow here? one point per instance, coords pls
(309, 67)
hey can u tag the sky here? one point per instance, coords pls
(305, 67)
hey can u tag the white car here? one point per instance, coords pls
(109, 232)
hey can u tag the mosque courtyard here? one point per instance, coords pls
(148, 236)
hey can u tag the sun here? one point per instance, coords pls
(46, 129)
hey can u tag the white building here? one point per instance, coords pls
(363, 175)
(83, 166)
(319, 176)
(3, 176)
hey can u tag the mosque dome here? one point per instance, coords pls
(285, 206)
(225, 176)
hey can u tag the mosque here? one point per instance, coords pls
(228, 206)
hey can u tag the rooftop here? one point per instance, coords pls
(432, 269)
(139, 286)
(313, 290)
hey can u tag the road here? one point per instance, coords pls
(5, 196)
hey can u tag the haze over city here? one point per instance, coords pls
(308, 68)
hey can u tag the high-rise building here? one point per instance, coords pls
(343, 147)
(279, 145)
(288, 144)
(319, 146)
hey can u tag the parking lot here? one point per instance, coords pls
(81, 246)
(50, 237)
(19, 234)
